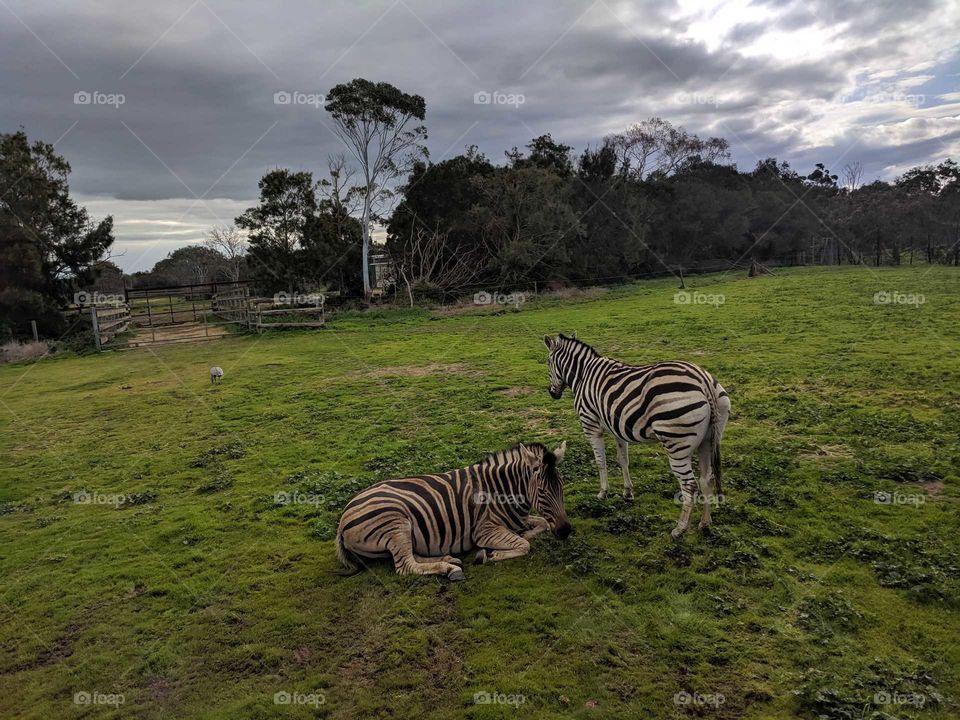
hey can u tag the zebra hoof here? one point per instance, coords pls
(602, 495)
(677, 533)
(455, 561)
(705, 526)
(456, 575)
(481, 557)
(628, 495)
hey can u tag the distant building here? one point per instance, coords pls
(381, 268)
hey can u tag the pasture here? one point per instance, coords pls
(194, 575)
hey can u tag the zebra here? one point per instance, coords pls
(422, 522)
(677, 404)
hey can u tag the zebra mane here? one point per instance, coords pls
(579, 343)
(513, 453)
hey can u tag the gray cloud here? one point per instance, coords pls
(198, 82)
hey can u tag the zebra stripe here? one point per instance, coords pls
(422, 521)
(677, 404)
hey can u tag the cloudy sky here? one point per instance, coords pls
(808, 81)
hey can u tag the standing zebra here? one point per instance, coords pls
(677, 404)
(421, 522)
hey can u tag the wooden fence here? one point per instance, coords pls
(265, 315)
(232, 305)
(108, 322)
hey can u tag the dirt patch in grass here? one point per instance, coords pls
(517, 391)
(933, 487)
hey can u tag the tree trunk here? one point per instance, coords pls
(366, 246)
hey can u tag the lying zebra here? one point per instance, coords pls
(675, 403)
(421, 522)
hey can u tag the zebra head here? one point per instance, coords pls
(546, 496)
(557, 383)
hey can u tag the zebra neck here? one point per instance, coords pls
(580, 368)
(502, 488)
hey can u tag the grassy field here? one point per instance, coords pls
(180, 583)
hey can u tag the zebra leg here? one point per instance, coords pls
(623, 457)
(446, 558)
(499, 543)
(400, 544)
(601, 456)
(682, 468)
(536, 524)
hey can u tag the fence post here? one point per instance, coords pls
(36, 337)
(96, 327)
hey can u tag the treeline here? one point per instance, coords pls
(650, 199)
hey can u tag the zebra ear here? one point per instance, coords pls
(559, 452)
(529, 456)
(548, 341)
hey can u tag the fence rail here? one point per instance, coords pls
(108, 322)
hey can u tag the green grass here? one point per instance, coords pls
(202, 597)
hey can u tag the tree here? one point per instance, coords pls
(228, 242)
(48, 244)
(656, 147)
(277, 226)
(191, 265)
(377, 122)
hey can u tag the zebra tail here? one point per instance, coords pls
(346, 558)
(715, 463)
